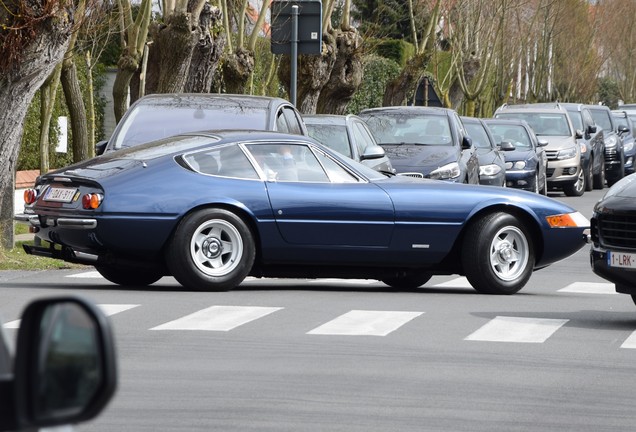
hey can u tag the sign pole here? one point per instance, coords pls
(294, 54)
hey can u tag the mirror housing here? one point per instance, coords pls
(591, 129)
(622, 129)
(467, 143)
(578, 134)
(542, 142)
(506, 146)
(100, 148)
(373, 152)
(65, 363)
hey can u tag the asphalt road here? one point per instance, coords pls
(333, 355)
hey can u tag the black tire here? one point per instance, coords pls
(599, 178)
(536, 183)
(589, 178)
(408, 280)
(544, 189)
(211, 250)
(576, 188)
(498, 254)
(129, 276)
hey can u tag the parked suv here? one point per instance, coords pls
(159, 116)
(552, 123)
(592, 141)
(614, 153)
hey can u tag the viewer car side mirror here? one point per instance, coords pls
(65, 369)
(372, 152)
(506, 146)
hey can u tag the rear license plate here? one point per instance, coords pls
(621, 259)
(56, 194)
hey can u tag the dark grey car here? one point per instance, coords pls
(159, 116)
(425, 142)
(614, 153)
(492, 164)
(350, 136)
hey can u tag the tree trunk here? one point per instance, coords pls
(77, 111)
(237, 69)
(402, 89)
(346, 75)
(26, 60)
(313, 73)
(207, 52)
(127, 67)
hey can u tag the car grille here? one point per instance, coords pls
(617, 230)
(551, 154)
(412, 174)
(549, 172)
(611, 155)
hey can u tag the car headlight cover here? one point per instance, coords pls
(489, 170)
(448, 171)
(610, 141)
(567, 153)
(629, 146)
(568, 220)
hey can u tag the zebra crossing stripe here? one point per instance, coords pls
(460, 282)
(365, 323)
(108, 309)
(589, 288)
(85, 275)
(517, 329)
(218, 318)
(630, 342)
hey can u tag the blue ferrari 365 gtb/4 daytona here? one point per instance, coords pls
(211, 208)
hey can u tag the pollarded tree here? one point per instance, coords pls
(34, 35)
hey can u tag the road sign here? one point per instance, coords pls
(309, 26)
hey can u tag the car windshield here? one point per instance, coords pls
(149, 123)
(515, 134)
(621, 121)
(478, 134)
(577, 119)
(602, 118)
(548, 124)
(409, 128)
(332, 135)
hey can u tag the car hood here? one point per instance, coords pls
(518, 155)
(420, 158)
(559, 142)
(486, 156)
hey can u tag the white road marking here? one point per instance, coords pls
(218, 318)
(517, 329)
(589, 288)
(85, 275)
(345, 281)
(460, 282)
(630, 342)
(108, 309)
(366, 323)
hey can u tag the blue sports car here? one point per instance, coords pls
(211, 208)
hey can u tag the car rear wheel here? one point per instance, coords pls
(211, 250)
(129, 276)
(589, 179)
(408, 280)
(497, 254)
(599, 178)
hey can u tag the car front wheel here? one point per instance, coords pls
(211, 250)
(578, 187)
(498, 255)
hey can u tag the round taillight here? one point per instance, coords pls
(91, 201)
(30, 195)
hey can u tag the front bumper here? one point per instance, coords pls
(523, 179)
(623, 278)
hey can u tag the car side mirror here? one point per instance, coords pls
(467, 143)
(542, 143)
(592, 129)
(65, 364)
(373, 152)
(507, 146)
(578, 134)
(622, 129)
(100, 147)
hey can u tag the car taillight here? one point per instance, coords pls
(30, 195)
(91, 201)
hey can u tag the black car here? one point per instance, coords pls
(159, 116)
(64, 370)
(592, 141)
(526, 163)
(613, 235)
(492, 164)
(625, 123)
(614, 152)
(425, 142)
(350, 136)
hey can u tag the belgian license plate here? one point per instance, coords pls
(621, 259)
(57, 194)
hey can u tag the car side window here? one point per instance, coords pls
(336, 173)
(587, 118)
(287, 162)
(293, 122)
(229, 161)
(363, 138)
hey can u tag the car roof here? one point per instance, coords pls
(334, 119)
(209, 99)
(408, 109)
(512, 122)
(536, 108)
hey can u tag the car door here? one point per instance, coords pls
(468, 155)
(324, 204)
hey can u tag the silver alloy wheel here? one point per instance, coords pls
(579, 186)
(216, 247)
(509, 253)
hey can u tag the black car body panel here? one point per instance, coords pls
(492, 164)
(613, 232)
(614, 153)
